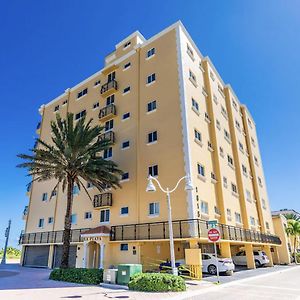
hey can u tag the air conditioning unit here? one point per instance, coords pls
(110, 276)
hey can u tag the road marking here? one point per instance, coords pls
(268, 287)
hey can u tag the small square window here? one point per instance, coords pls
(152, 137)
(41, 223)
(201, 170)
(151, 106)
(44, 196)
(108, 153)
(56, 108)
(88, 215)
(125, 145)
(126, 116)
(126, 90)
(95, 105)
(82, 93)
(50, 220)
(154, 209)
(151, 78)
(204, 207)
(125, 176)
(153, 170)
(124, 247)
(126, 45)
(124, 210)
(150, 52)
(126, 66)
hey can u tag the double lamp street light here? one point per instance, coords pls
(151, 188)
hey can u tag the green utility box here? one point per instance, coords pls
(125, 271)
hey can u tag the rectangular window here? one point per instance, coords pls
(153, 170)
(195, 104)
(241, 146)
(107, 153)
(252, 221)
(259, 181)
(124, 210)
(88, 215)
(56, 108)
(218, 124)
(80, 115)
(204, 207)
(95, 105)
(104, 215)
(82, 93)
(150, 52)
(238, 218)
(201, 170)
(226, 134)
(41, 223)
(125, 145)
(152, 137)
(97, 82)
(126, 66)
(124, 247)
(224, 112)
(225, 181)
(237, 124)
(44, 196)
(248, 196)
(154, 209)
(126, 116)
(110, 99)
(244, 169)
(228, 214)
(109, 125)
(230, 160)
(50, 220)
(65, 102)
(126, 45)
(151, 78)
(126, 90)
(234, 188)
(234, 104)
(89, 185)
(125, 176)
(74, 219)
(190, 52)
(197, 135)
(221, 151)
(53, 193)
(151, 106)
(192, 76)
(263, 202)
(111, 76)
(267, 225)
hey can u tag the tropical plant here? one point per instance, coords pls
(73, 156)
(292, 216)
(293, 230)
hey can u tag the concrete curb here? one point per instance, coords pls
(114, 286)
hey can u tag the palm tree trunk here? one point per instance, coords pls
(67, 229)
(295, 250)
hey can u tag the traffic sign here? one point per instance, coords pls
(212, 223)
(213, 235)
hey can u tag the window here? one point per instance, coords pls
(95, 105)
(192, 77)
(110, 99)
(126, 66)
(126, 45)
(230, 160)
(126, 90)
(218, 124)
(153, 170)
(267, 225)
(223, 111)
(234, 188)
(253, 141)
(89, 185)
(225, 181)
(44, 197)
(212, 76)
(252, 221)
(65, 102)
(190, 52)
(151, 106)
(238, 218)
(201, 170)
(97, 82)
(56, 108)
(126, 116)
(248, 196)
(228, 211)
(50, 220)
(238, 125)
(263, 202)
(107, 153)
(255, 160)
(124, 247)
(53, 193)
(207, 118)
(221, 151)
(213, 176)
(104, 215)
(217, 211)
(204, 207)
(151, 78)
(80, 115)
(152, 137)
(241, 146)
(226, 135)
(197, 135)
(195, 104)
(244, 170)
(249, 122)
(82, 93)
(41, 223)
(75, 190)
(150, 52)
(125, 176)
(111, 76)
(154, 209)
(125, 145)
(109, 125)
(220, 89)
(74, 219)
(88, 215)
(124, 210)
(234, 104)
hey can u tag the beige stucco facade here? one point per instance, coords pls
(200, 124)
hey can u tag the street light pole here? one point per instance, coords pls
(151, 188)
(3, 262)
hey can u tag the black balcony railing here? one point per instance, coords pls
(38, 126)
(187, 229)
(102, 200)
(50, 237)
(25, 211)
(107, 110)
(109, 136)
(108, 86)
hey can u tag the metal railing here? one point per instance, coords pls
(50, 237)
(108, 86)
(107, 110)
(25, 211)
(187, 229)
(38, 126)
(109, 136)
(102, 200)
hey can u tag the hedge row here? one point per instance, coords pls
(86, 276)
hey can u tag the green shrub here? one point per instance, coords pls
(85, 276)
(156, 282)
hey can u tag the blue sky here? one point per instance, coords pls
(48, 46)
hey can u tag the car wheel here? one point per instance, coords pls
(212, 269)
(257, 263)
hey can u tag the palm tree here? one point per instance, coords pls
(292, 216)
(293, 230)
(73, 156)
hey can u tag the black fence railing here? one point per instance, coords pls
(102, 200)
(50, 237)
(25, 211)
(107, 110)
(109, 136)
(38, 126)
(187, 229)
(108, 86)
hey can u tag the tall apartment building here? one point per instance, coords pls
(169, 114)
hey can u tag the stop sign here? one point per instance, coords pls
(213, 235)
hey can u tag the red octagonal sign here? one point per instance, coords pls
(213, 235)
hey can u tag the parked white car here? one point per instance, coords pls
(209, 264)
(260, 258)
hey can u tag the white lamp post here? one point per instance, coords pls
(151, 188)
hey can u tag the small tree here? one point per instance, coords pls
(293, 230)
(72, 157)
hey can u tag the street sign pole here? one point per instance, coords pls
(3, 262)
(217, 263)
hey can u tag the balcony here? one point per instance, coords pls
(38, 128)
(102, 200)
(109, 136)
(28, 189)
(109, 88)
(107, 112)
(25, 212)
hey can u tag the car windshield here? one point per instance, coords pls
(218, 256)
